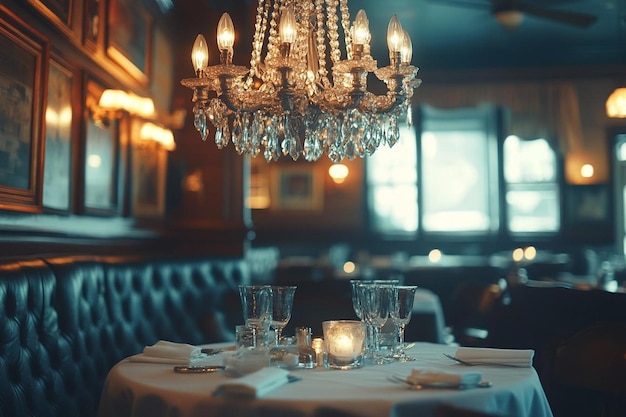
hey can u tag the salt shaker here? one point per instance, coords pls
(306, 353)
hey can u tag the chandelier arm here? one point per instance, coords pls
(227, 98)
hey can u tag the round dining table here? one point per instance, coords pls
(134, 389)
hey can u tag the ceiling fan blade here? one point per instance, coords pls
(463, 3)
(582, 20)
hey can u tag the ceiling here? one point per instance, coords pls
(448, 36)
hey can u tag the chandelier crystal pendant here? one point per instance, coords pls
(300, 97)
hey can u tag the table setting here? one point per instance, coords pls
(341, 370)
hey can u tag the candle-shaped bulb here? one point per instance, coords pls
(225, 33)
(394, 35)
(287, 28)
(200, 54)
(406, 48)
(360, 29)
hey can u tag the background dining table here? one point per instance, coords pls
(148, 389)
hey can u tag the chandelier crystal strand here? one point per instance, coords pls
(287, 103)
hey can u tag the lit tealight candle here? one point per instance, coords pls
(343, 348)
(345, 340)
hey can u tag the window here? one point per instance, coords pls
(392, 186)
(532, 191)
(459, 166)
(457, 187)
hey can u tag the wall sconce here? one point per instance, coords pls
(164, 137)
(113, 104)
(116, 100)
(510, 19)
(616, 103)
(338, 172)
(587, 171)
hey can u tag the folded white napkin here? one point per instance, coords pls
(255, 384)
(244, 361)
(513, 357)
(171, 353)
(435, 376)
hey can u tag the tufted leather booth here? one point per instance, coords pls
(66, 321)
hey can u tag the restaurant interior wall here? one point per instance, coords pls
(206, 188)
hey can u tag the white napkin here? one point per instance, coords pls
(434, 376)
(522, 358)
(255, 384)
(171, 353)
(246, 361)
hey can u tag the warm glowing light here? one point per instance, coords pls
(349, 267)
(301, 90)
(406, 49)
(435, 255)
(121, 100)
(530, 253)
(361, 32)
(587, 171)
(162, 136)
(338, 172)
(395, 35)
(287, 27)
(616, 103)
(225, 33)
(94, 161)
(518, 254)
(200, 54)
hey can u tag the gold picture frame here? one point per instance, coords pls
(24, 56)
(129, 38)
(297, 188)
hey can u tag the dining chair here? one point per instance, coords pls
(586, 373)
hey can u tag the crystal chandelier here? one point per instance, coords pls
(300, 97)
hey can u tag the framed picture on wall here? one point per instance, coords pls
(24, 56)
(101, 158)
(297, 188)
(57, 187)
(129, 39)
(589, 203)
(59, 12)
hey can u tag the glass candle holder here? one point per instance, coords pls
(344, 343)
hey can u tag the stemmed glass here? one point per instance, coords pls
(256, 301)
(401, 310)
(282, 303)
(376, 303)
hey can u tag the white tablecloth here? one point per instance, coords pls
(144, 389)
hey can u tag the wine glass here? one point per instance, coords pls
(282, 302)
(401, 315)
(376, 302)
(256, 301)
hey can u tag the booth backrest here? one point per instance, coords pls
(66, 321)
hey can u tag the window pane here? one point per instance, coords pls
(533, 210)
(395, 208)
(528, 160)
(532, 196)
(392, 186)
(455, 171)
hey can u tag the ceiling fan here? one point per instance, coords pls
(510, 12)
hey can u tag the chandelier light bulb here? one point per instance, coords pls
(361, 31)
(225, 33)
(199, 54)
(287, 28)
(395, 35)
(406, 49)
